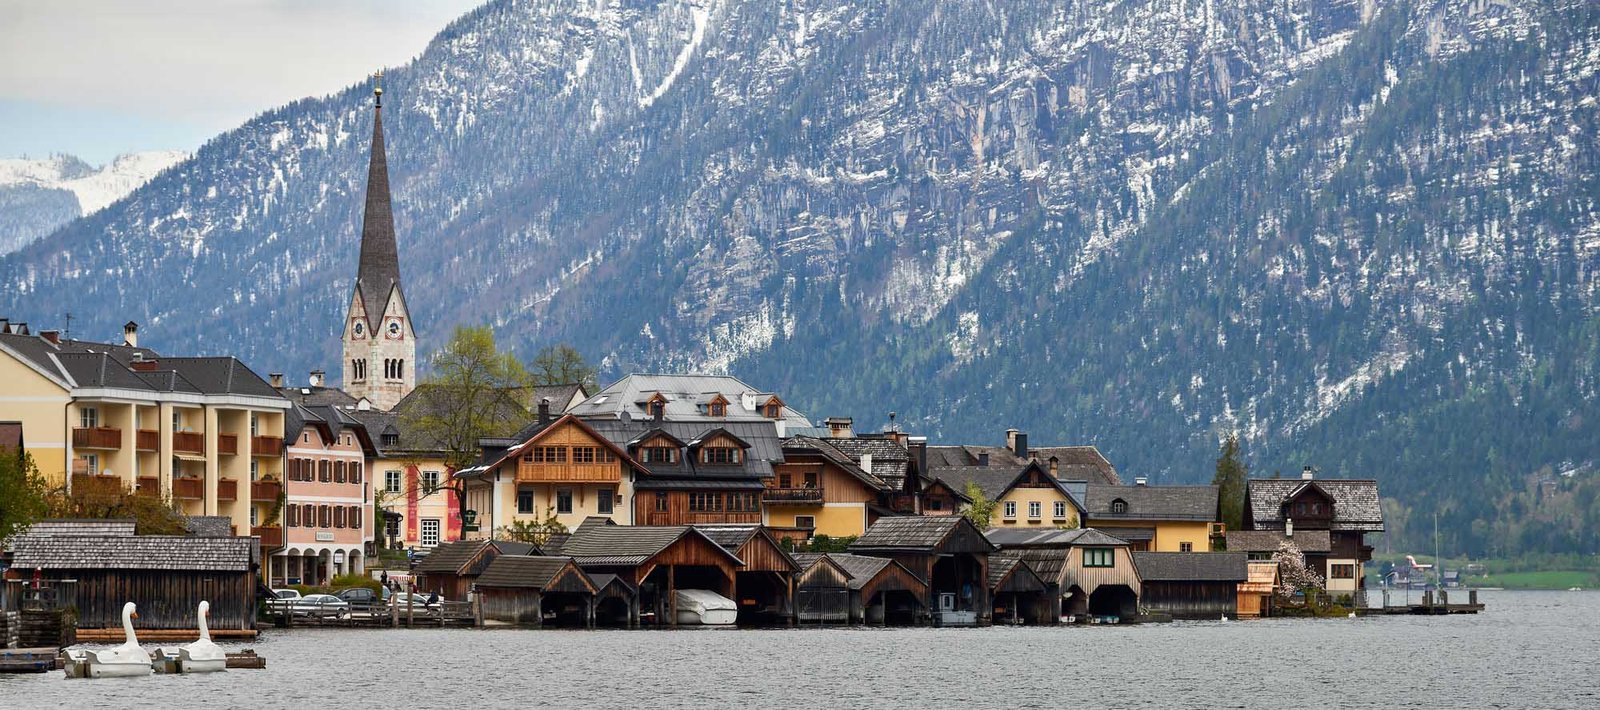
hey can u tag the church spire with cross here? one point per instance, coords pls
(379, 342)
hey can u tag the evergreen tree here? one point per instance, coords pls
(1230, 482)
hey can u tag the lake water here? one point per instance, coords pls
(1529, 650)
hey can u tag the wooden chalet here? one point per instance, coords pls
(452, 567)
(948, 553)
(537, 591)
(1020, 595)
(846, 588)
(819, 490)
(1094, 572)
(1191, 585)
(657, 561)
(1256, 592)
(766, 581)
(1347, 509)
(167, 576)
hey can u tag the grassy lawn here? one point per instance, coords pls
(1554, 579)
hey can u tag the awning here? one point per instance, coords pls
(188, 456)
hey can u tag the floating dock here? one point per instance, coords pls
(1434, 603)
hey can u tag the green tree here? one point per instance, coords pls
(560, 365)
(24, 495)
(107, 499)
(534, 532)
(1232, 473)
(981, 510)
(466, 397)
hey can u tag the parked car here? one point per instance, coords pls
(364, 598)
(321, 605)
(286, 593)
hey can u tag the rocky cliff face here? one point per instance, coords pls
(1361, 233)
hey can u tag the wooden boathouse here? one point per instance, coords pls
(452, 567)
(657, 561)
(766, 581)
(949, 553)
(877, 590)
(536, 591)
(1093, 572)
(166, 576)
(1192, 585)
(1020, 595)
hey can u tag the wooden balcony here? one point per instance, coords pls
(266, 446)
(568, 472)
(191, 442)
(227, 489)
(265, 490)
(97, 438)
(189, 488)
(91, 483)
(271, 536)
(149, 486)
(228, 444)
(723, 518)
(147, 440)
(792, 496)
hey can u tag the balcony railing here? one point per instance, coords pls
(265, 490)
(97, 438)
(227, 489)
(147, 440)
(192, 442)
(702, 518)
(85, 482)
(792, 496)
(228, 444)
(149, 486)
(189, 488)
(266, 446)
(271, 535)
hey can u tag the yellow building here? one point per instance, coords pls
(818, 490)
(559, 467)
(203, 432)
(1155, 518)
(1024, 496)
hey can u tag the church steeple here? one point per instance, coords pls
(379, 272)
(379, 342)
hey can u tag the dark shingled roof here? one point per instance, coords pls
(1192, 566)
(555, 544)
(821, 447)
(379, 270)
(619, 545)
(860, 568)
(451, 557)
(513, 571)
(1355, 502)
(209, 525)
(83, 526)
(1270, 540)
(891, 462)
(912, 532)
(168, 552)
(1153, 502)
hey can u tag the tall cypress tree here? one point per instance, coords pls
(1230, 481)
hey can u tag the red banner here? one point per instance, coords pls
(412, 525)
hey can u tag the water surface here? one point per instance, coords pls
(1529, 650)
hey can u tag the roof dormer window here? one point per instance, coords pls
(656, 406)
(773, 409)
(720, 455)
(717, 407)
(1119, 506)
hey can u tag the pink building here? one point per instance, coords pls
(328, 517)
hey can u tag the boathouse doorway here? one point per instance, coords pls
(1117, 600)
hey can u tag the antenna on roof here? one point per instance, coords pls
(66, 329)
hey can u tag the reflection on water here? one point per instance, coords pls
(1531, 649)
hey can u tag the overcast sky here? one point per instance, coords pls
(98, 78)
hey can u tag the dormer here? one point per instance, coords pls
(656, 447)
(656, 406)
(1309, 506)
(1119, 506)
(719, 448)
(717, 406)
(772, 408)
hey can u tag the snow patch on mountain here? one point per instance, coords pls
(95, 188)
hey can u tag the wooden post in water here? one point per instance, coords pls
(672, 596)
(477, 610)
(411, 603)
(589, 613)
(394, 611)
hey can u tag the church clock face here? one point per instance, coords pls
(358, 330)
(392, 330)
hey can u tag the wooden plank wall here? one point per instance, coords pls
(1194, 600)
(167, 599)
(511, 606)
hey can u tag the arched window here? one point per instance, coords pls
(1119, 506)
(400, 369)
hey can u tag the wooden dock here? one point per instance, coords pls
(1434, 603)
(118, 634)
(446, 614)
(28, 660)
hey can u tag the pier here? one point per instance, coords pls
(1434, 603)
(444, 614)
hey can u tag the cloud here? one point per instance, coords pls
(210, 64)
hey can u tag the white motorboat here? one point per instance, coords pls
(202, 656)
(121, 661)
(704, 607)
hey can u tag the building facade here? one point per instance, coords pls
(327, 519)
(559, 468)
(1155, 518)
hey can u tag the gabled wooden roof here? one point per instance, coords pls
(541, 573)
(943, 533)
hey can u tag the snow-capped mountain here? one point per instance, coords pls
(39, 195)
(1362, 233)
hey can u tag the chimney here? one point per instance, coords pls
(1011, 439)
(1140, 481)
(983, 458)
(19, 328)
(1307, 473)
(544, 410)
(866, 462)
(840, 427)
(5, 325)
(1019, 445)
(54, 336)
(1288, 527)
(277, 379)
(1055, 468)
(142, 365)
(317, 377)
(130, 334)
(918, 446)
(658, 414)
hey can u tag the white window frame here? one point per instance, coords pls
(605, 502)
(430, 481)
(393, 481)
(428, 532)
(1010, 510)
(1035, 509)
(1061, 509)
(89, 417)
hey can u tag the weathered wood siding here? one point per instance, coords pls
(823, 574)
(678, 513)
(167, 599)
(511, 606)
(1089, 579)
(1193, 600)
(761, 554)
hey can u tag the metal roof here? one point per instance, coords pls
(684, 394)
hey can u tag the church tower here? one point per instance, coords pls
(380, 347)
